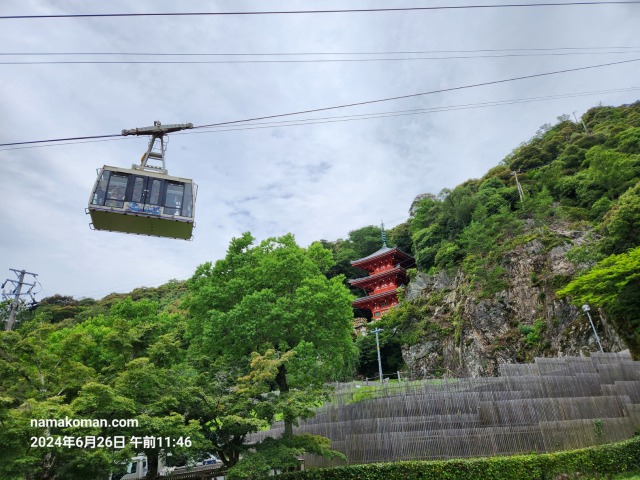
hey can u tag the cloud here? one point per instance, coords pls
(316, 181)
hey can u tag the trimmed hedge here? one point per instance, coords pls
(591, 462)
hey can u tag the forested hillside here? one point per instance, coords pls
(498, 269)
(254, 337)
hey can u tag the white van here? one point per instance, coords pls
(138, 468)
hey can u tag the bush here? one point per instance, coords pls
(594, 462)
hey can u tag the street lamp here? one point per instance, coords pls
(585, 309)
(376, 331)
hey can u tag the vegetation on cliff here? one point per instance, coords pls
(579, 194)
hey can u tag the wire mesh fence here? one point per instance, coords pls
(552, 404)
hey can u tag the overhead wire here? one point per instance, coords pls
(59, 144)
(315, 60)
(368, 116)
(413, 95)
(92, 137)
(368, 102)
(303, 12)
(347, 118)
(259, 54)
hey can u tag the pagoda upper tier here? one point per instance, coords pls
(387, 271)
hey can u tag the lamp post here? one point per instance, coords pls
(376, 331)
(585, 309)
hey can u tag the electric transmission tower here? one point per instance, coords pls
(16, 294)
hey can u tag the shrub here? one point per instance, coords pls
(592, 462)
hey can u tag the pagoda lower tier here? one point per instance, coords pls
(381, 282)
(378, 303)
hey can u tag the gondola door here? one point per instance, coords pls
(146, 195)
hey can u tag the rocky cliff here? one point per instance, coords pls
(561, 213)
(474, 334)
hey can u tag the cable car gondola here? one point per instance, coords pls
(144, 199)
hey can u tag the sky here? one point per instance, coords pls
(319, 179)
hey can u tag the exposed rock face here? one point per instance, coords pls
(514, 325)
(425, 283)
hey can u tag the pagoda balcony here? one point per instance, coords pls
(399, 272)
(360, 302)
(385, 288)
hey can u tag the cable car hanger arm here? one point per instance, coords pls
(157, 133)
(158, 129)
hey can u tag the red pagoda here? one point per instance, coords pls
(387, 271)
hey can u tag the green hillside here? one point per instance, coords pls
(576, 222)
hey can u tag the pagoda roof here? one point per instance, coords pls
(384, 251)
(377, 296)
(376, 276)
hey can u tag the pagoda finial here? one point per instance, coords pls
(383, 234)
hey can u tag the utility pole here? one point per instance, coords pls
(376, 331)
(17, 293)
(585, 309)
(583, 124)
(515, 174)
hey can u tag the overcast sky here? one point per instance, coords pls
(317, 181)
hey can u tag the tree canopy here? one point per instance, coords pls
(272, 295)
(269, 309)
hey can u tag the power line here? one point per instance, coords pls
(61, 139)
(59, 144)
(443, 90)
(349, 118)
(325, 60)
(267, 117)
(295, 12)
(400, 52)
(368, 116)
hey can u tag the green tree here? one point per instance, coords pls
(158, 399)
(614, 285)
(101, 368)
(299, 403)
(274, 296)
(610, 173)
(38, 378)
(622, 223)
(400, 236)
(360, 243)
(365, 240)
(226, 410)
(20, 458)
